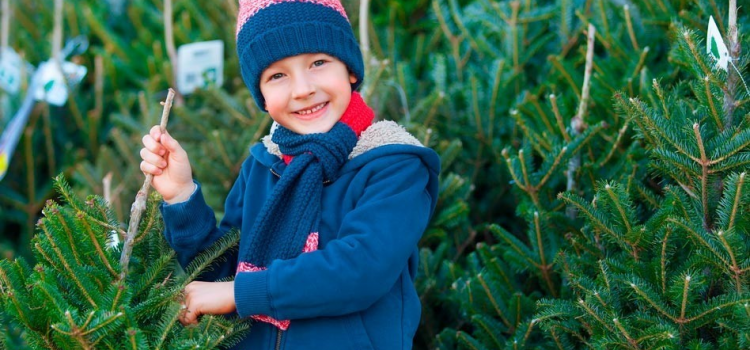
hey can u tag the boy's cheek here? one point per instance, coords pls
(274, 110)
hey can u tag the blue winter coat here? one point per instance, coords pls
(357, 290)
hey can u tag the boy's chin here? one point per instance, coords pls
(317, 126)
(311, 129)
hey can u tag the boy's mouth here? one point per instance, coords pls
(312, 110)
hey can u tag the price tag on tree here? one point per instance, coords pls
(12, 133)
(200, 65)
(10, 71)
(8, 141)
(715, 45)
(52, 87)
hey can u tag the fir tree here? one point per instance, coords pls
(566, 136)
(673, 274)
(75, 298)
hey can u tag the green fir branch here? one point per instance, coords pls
(594, 216)
(214, 254)
(733, 197)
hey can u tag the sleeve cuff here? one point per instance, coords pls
(186, 219)
(251, 294)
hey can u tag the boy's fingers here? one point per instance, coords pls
(172, 146)
(155, 132)
(188, 315)
(152, 158)
(149, 168)
(191, 316)
(152, 145)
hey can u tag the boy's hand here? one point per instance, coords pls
(164, 158)
(207, 298)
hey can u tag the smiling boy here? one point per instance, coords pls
(331, 207)
(307, 93)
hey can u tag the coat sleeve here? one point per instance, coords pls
(190, 226)
(350, 273)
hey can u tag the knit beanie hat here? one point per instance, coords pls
(271, 30)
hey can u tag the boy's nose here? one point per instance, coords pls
(302, 88)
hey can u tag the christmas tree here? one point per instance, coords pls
(76, 297)
(675, 274)
(566, 136)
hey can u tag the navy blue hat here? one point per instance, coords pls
(271, 30)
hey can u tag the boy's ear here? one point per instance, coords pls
(352, 78)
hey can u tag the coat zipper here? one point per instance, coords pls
(325, 182)
(278, 339)
(273, 172)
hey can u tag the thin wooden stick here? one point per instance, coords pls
(171, 51)
(587, 74)
(139, 206)
(577, 124)
(733, 45)
(5, 25)
(364, 38)
(107, 187)
(57, 33)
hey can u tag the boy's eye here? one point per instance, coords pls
(276, 76)
(319, 63)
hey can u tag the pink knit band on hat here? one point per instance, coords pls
(248, 8)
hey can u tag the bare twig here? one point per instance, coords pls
(587, 74)
(139, 206)
(631, 32)
(107, 187)
(5, 25)
(57, 35)
(364, 38)
(732, 76)
(577, 124)
(171, 51)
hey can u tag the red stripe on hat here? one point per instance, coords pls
(248, 8)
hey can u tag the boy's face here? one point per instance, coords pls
(307, 93)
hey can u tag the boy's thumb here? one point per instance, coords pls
(170, 143)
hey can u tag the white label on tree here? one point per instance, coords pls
(52, 87)
(200, 65)
(10, 71)
(715, 45)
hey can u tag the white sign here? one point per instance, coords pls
(715, 45)
(200, 65)
(10, 71)
(52, 87)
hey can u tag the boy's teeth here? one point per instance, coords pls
(312, 110)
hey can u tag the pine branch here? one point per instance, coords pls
(214, 253)
(558, 117)
(71, 273)
(704, 162)
(99, 251)
(731, 200)
(513, 243)
(140, 200)
(701, 239)
(545, 269)
(710, 99)
(491, 296)
(629, 23)
(166, 325)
